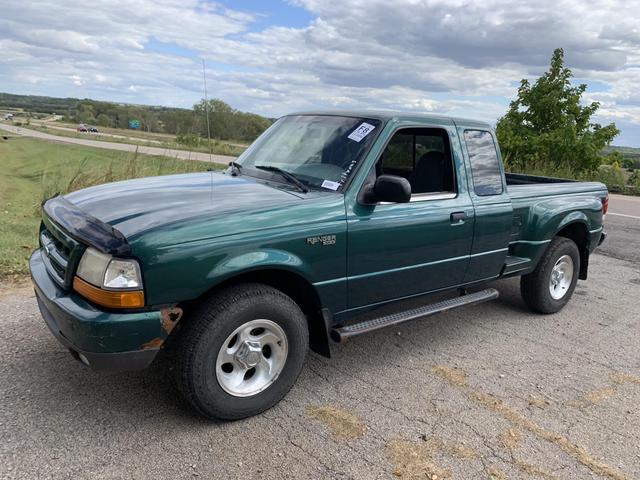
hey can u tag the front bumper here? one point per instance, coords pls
(101, 339)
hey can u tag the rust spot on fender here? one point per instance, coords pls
(170, 318)
(155, 343)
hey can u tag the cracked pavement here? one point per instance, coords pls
(486, 392)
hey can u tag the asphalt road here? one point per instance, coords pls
(123, 147)
(624, 206)
(623, 226)
(491, 391)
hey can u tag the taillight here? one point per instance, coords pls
(605, 204)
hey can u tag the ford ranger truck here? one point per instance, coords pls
(326, 228)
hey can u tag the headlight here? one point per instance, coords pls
(108, 281)
(122, 274)
(92, 266)
(104, 271)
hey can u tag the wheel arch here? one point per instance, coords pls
(577, 230)
(293, 284)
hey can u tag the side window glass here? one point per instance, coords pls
(399, 155)
(423, 157)
(485, 166)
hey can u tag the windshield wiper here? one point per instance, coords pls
(236, 168)
(285, 174)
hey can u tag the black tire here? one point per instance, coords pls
(534, 287)
(209, 327)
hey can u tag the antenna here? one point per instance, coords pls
(206, 107)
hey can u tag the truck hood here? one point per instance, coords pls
(136, 206)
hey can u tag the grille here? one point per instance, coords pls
(61, 254)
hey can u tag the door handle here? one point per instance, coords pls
(458, 217)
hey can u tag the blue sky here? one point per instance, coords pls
(463, 58)
(272, 12)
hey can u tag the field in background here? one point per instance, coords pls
(33, 170)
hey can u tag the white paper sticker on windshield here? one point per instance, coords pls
(362, 131)
(330, 185)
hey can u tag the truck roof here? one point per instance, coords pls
(386, 115)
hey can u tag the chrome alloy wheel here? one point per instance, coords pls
(251, 358)
(561, 277)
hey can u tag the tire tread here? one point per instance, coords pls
(534, 286)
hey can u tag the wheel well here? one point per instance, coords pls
(300, 291)
(579, 233)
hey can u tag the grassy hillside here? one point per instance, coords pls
(33, 170)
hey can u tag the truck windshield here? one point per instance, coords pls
(321, 151)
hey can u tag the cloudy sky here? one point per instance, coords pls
(459, 57)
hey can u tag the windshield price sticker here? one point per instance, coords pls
(362, 131)
(330, 185)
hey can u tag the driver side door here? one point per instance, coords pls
(400, 250)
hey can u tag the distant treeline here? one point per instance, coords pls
(630, 155)
(225, 122)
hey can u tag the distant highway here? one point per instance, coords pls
(91, 135)
(124, 147)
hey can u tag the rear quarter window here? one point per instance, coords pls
(485, 166)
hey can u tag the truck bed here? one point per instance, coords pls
(522, 179)
(522, 186)
(531, 195)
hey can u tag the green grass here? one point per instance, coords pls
(32, 170)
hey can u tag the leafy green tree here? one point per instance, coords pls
(103, 120)
(547, 128)
(226, 122)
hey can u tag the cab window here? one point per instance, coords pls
(423, 157)
(485, 166)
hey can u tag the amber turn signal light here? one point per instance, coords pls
(108, 298)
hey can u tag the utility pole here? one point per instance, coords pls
(206, 107)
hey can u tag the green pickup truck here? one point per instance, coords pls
(325, 228)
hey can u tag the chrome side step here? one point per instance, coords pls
(342, 334)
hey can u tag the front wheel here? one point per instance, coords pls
(242, 351)
(549, 287)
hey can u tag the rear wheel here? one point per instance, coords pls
(549, 287)
(242, 351)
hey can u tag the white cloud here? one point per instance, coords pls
(77, 80)
(451, 56)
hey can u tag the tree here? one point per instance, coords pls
(548, 129)
(103, 120)
(226, 122)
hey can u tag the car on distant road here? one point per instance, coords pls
(318, 232)
(82, 128)
(92, 129)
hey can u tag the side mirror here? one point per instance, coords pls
(391, 188)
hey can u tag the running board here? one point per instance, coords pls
(342, 334)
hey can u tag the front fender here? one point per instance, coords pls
(259, 260)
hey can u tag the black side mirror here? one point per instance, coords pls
(391, 188)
